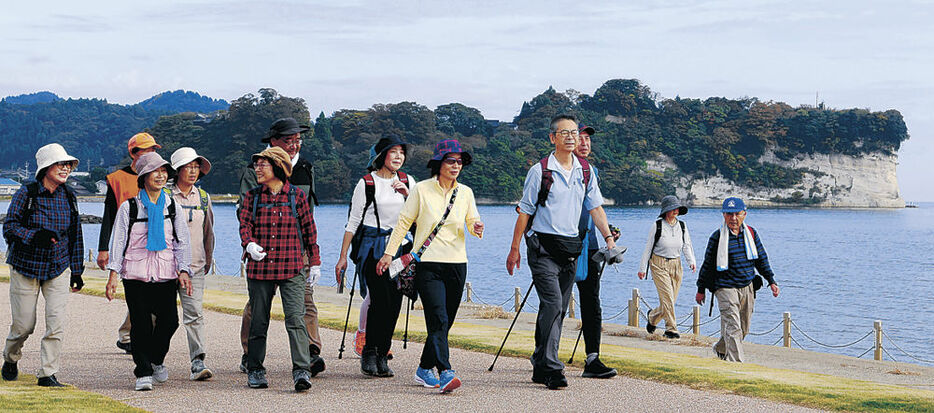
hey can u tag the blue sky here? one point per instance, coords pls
(491, 55)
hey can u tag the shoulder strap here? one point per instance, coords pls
(585, 166)
(682, 230)
(32, 192)
(298, 222)
(171, 216)
(658, 235)
(204, 199)
(369, 188)
(133, 219)
(438, 227)
(255, 192)
(403, 177)
(547, 181)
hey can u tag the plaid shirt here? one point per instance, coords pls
(53, 212)
(274, 228)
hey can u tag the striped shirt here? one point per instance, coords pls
(52, 211)
(276, 230)
(741, 271)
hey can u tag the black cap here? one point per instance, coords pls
(582, 128)
(284, 127)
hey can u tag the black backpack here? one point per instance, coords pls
(369, 186)
(658, 235)
(134, 216)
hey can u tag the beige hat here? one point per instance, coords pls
(148, 162)
(185, 155)
(278, 157)
(51, 154)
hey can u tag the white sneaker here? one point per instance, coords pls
(144, 383)
(159, 373)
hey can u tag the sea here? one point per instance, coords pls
(840, 270)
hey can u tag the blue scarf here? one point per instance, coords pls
(155, 236)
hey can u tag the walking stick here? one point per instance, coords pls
(353, 283)
(571, 360)
(405, 337)
(518, 311)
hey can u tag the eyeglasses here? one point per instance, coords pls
(192, 167)
(567, 133)
(261, 165)
(292, 142)
(65, 165)
(452, 161)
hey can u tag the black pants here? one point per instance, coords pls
(591, 311)
(150, 343)
(440, 286)
(385, 303)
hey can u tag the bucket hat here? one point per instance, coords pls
(148, 162)
(733, 204)
(284, 127)
(589, 130)
(381, 147)
(449, 146)
(278, 157)
(141, 140)
(185, 155)
(51, 154)
(670, 203)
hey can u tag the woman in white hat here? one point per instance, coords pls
(150, 252)
(43, 231)
(196, 206)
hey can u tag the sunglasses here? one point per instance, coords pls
(452, 161)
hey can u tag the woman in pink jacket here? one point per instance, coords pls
(149, 251)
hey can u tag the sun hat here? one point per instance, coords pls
(185, 155)
(589, 130)
(51, 154)
(449, 146)
(733, 204)
(383, 145)
(148, 162)
(670, 203)
(142, 140)
(284, 127)
(278, 157)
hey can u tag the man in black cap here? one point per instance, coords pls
(286, 133)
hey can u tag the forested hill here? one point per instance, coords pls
(702, 137)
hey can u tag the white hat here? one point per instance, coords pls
(52, 154)
(184, 156)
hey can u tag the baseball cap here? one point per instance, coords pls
(142, 140)
(733, 204)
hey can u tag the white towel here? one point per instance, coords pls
(723, 247)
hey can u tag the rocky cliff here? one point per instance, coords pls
(867, 181)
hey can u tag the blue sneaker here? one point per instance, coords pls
(449, 381)
(426, 377)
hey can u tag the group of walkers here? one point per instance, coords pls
(405, 237)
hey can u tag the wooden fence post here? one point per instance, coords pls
(571, 306)
(469, 292)
(518, 297)
(786, 329)
(696, 326)
(877, 325)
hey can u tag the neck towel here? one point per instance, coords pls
(723, 247)
(155, 236)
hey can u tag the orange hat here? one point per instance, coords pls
(142, 140)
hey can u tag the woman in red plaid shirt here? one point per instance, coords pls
(276, 226)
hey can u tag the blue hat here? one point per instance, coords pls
(733, 204)
(449, 146)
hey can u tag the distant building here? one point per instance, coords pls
(8, 186)
(101, 186)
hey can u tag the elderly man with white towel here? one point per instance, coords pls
(729, 271)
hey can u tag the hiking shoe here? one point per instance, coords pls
(556, 380)
(382, 367)
(368, 363)
(49, 381)
(199, 371)
(359, 340)
(126, 347)
(160, 374)
(721, 356)
(650, 327)
(317, 365)
(538, 376)
(302, 380)
(672, 335)
(9, 371)
(597, 370)
(144, 383)
(449, 381)
(243, 368)
(256, 379)
(427, 378)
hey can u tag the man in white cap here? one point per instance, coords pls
(195, 204)
(43, 230)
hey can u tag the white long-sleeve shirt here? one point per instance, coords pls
(388, 203)
(669, 244)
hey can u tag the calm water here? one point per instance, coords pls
(839, 269)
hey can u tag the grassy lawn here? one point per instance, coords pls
(23, 395)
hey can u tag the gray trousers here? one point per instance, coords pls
(292, 292)
(193, 315)
(736, 305)
(553, 284)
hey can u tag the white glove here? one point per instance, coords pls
(314, 274)
(255, 251)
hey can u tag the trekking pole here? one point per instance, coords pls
(571, 360)
(353, 283)
(518, 311)
(405, 337)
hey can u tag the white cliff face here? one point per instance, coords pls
(868, 181)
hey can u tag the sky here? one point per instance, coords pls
(491, 55)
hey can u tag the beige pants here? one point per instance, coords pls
(24, 300)
(736, 305)
(667, 274)
(193, 315)
(311, 320)
(123, 333)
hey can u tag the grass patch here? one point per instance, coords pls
(491, 312)
(24, 395)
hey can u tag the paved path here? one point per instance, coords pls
(92, 362)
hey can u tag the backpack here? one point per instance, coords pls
(298, 222)
(369, 186)
(658, 235)
(134, 218)
(203, 206)
(32, 192)
(548, 179)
